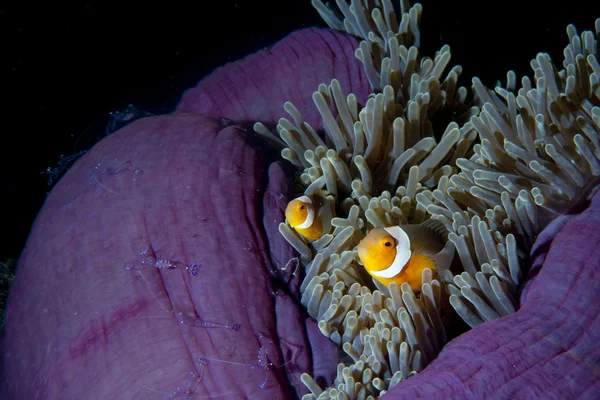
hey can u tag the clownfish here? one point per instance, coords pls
(309, 216)
(401, 253)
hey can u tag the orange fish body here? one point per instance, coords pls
(401, 253)
(412, 273)
(309, 216)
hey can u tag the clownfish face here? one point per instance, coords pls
(384, 251)
(377, 251)
(302, 215)
(300, 212)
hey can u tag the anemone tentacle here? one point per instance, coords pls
(513, 159)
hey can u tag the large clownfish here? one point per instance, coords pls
(401, 253)
(309, 216)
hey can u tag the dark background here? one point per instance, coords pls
(65, 67)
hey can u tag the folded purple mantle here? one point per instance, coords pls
(548, 349)
(190, 204)
(191, 190)
(255, 89)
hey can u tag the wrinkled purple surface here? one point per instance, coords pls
(549, 348)
(256, 88)
(81, 326)
(193, 190)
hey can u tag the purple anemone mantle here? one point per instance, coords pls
(164, 236)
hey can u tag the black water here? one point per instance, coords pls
(63, 69)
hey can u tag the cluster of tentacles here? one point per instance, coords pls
(513, 158)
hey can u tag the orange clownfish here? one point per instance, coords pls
(310, 217)
(401, 253)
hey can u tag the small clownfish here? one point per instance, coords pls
(401, 253)
(310, 217)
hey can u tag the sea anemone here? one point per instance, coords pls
(511, 160)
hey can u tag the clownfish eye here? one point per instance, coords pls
(302, 207)
(388, 244)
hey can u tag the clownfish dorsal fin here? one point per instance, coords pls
(437, 227)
